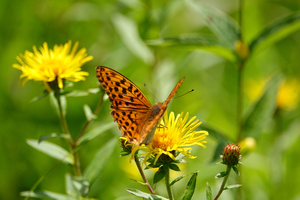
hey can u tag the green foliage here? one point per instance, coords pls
(190, 188)
(117, 33)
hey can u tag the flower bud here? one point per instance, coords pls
(231, 155)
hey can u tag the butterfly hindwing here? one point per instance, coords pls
(136, 117)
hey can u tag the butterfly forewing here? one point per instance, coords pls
(136, 117)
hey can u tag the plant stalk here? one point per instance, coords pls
(167, 182)
(66, 131)
(138, 164)
(96, 111)
(223, 183)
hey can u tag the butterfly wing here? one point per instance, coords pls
(155, 114)
(130, 107)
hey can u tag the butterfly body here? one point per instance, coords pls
(137, 119)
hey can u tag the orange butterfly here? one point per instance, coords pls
(137, 119)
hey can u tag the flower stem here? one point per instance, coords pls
(240, 102)
(66, 131)
(223, 183)
(138, 164)
(96, 111)
(167, 182)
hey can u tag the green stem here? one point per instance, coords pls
(240, 102)
(66, 131)
(167, 182)
(138, 164)
(96, 111)
(223, 183)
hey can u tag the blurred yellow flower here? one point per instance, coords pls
(49, 65)
(248, 144)
(175, 135)
(288, 95)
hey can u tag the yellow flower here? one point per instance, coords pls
(175, 135)
(49, 65)
(288, 95)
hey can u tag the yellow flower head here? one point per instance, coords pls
(175, 135)
(47, 65)
(288, 95)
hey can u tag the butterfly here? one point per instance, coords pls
(137, 119)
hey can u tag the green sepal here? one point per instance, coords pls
(190, 188)
(160, 174)
(174, 167)
(235, 169)
(208, 192)
(221, 175)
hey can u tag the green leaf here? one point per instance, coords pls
(95, 132)
(221, 175)
(88, 113)
(208, 192)
(174, 167)
(99, 162)
(52, 150)
(144, 195)
(263, 110)
(47, 194)
(77, 93)
(76, 186)
(235, 169)
(128, 31)
(140, 182)
(160, 174)
(190, 188)
(52, 135)
(232, 186)
(45, 93)
(276, 31)
(193, 41)
(221, 24)
(181, 177)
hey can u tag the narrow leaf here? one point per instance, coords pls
(52, 150)
(88, 113)
(192, 42)
(96, 132)
(128, 32)
(181, 177)
(208, 192)
(140, 182)
(190, 188)
(99, 161)
(160, 174)
(232, 186)
(221, 175)
(263, 109)
(47, 194)
(52, 135)
(277, 31)
(144, 195)
(45, 93)
(221, 24)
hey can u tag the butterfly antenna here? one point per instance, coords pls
(150, 92)
(184, 94)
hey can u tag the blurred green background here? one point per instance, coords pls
(270, 172)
